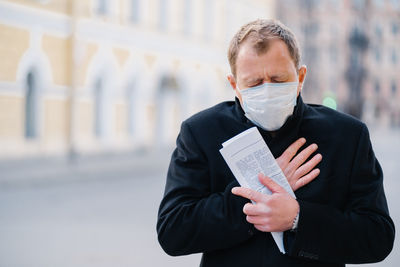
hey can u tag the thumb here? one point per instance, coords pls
(270, 184)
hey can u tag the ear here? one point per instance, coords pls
(302, 77)
(232, 81)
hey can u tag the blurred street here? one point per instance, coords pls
(101, 211)
(98, 212)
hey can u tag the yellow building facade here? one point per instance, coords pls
(95, 75)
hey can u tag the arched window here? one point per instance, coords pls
(163, 14)
(187, 17)
(103, 7)
(208, 17)
(377, 87)
(99, 108)
(131, 107)
(394, 88)
(168, 110)
(135, 11)
(31, 106)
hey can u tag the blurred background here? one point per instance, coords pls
(92, 94)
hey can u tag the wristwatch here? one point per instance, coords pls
(295, 222)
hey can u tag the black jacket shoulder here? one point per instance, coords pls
(213, 114)
(333, 123)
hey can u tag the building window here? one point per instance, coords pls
(187, 17)
(395, 28)
(131, 106)
(310, 53)
(168, 109)
(103, 7)
(377, 87)
(208, 19)
(394, 57)
(169, 83)
(378, 32)
(334, 5)
(377, 54)
(31, 107)
(396, 3)
(135, 11)
(358, 4)
(99, 108)
(394, 88)
(379, 3)
(310, 29)
(163, 15)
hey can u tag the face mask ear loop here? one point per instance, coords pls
(237, 91)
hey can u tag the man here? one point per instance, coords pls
(340, 214)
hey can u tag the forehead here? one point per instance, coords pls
(276, 59)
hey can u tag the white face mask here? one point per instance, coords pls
(270, 104)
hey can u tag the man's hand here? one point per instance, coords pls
(297, 173)
(269, 213)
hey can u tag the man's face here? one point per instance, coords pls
(273, 66)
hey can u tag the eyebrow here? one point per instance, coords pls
(252, 80)
(279, 76)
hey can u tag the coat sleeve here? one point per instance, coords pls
(362, 232)
(191, 218)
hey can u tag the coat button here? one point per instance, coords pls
(250, 232)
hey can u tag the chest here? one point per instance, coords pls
(330, 187)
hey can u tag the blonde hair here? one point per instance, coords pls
(259, 32)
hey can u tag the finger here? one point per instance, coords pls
(302, 157)
(270, 184)
(250, 209)
(308, 166)
(256, 219)
(262, 227)
(306, 179)
(249, 194)
(255, 209)
(291, 151)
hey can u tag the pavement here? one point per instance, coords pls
(57, 169)
(101, 210)
(94, 211)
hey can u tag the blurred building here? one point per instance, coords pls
(352, 51)
(94, 75)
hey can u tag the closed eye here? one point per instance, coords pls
(255, 83)
(277, 81)
(279, 78)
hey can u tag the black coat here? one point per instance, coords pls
(344, 216)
